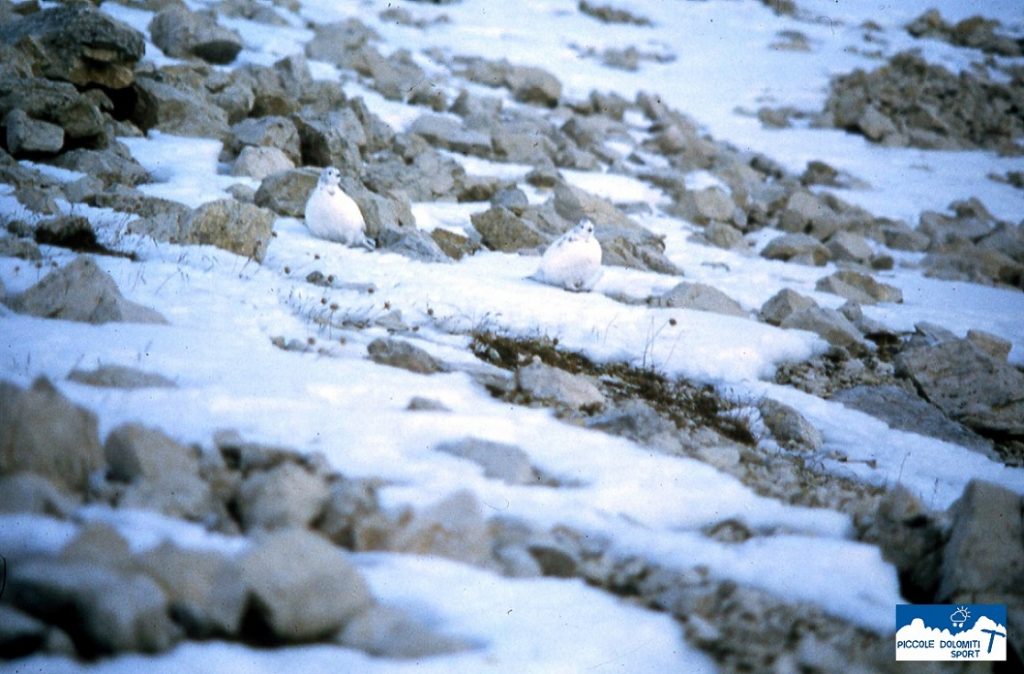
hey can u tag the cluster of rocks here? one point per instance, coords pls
(911, 102)
(972, 553)
(929, 382)
(975, 32)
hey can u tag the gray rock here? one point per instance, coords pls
(285, 496)
(846, 246)
(301, 587)
(24, 249)
(448, 133)
(236, 99)
(235, 226)
(993, 345)
(114, 166)
(339, 43)
(783, 303)
(402, 354)
(349, 502)
(905, 411)
(204, 590)
(136, 452)
(399, 78)
(788, 426)
(119, 376)
(104, 611)
(501, 229)
(387, 632)
(902, 237)
(44, 433)
(260, 162)
(801, 248)
(829, 324)
(512, 198)
(985, 552)
(545, 383)
(972, 263)
(182, 33)
(722, 235)
(859, 288)
(176, 109)
(875, 125)
(533, 85)
(331, 138)
(421, 404)
(710, 204)
(453, 528)
(270, 131)
(286, 193)
(500, 461)
(27, 136)
(701, 297)
(638, 421)
(911, 538)
(968, 384)
(806, 213)
(102, 544)
(20, 634)
(78, 43)
(32, 493)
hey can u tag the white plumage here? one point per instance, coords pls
(333, 215)
(573, 261)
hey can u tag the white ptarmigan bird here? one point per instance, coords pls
(333, 215)
(573, 261)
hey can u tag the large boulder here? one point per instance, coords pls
(81, 291)
(181, 33)
(58, 103)
(269, 131)
(330, 138)
(235, 226)
(78, 43)
(301, 587)
(175, 108)
(968, 384)
(45, 433)
(499, 461)
(285, 496)
(27, 136)
(105, 611)
(701, 297)
(859, 287)
(286, 192)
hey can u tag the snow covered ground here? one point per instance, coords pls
(223, 310)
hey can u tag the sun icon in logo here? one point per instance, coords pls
(959, 616)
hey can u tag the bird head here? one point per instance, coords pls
(330, 177)
(585, 227)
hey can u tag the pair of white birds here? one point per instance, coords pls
(573, 261)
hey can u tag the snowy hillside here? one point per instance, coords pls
(793, 399)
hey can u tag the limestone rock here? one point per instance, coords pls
(783, 303)
(500, 461)
(78, 43)
(260, 162)
(829, 324)
(788, 426)
(453, 528)
(907, 412)
(286, 192)
(177, 109)
(204, 590)
(119, 376)
(500, 229)
(968, 384)
(104, 611)
(701, 297)
(859, 288)
(182, 33)
(801, 248)
(387, 632)
(27, 136)
(301, 587)
(402, 354)
(270, 131)
(238, 227)
(44, 433)
(33, 493)
(543, 382)
(448, 133)
(285, 496)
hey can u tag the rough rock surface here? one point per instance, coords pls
(235, 226)
(79, 44)
(701, 297)
(969, 385)
(500, 461)
(182, 33)
(300, 586)
(81, 291)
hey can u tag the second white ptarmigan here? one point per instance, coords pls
(333, 215)
(573, 261)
